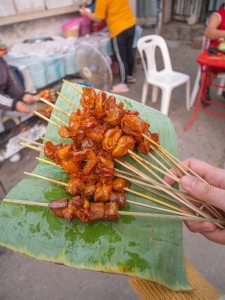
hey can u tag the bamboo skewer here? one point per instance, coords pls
(136, 171)
(126, 189)
(59, 120)
(152, 187)
(69, 102)
(48, 162)
(186, 203)
(33, 142)
(46, 178)
(139, 159)
(151, 215)
(46, 119)
(31, 147)
(162, 165)
(56, 107)
(25, 202)
(122, 213)
(156, 200)
(174, 159)
(72, 86)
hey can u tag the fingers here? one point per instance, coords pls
(207, 229)
(28, 98)
(200, 227)
(209, 173)
(204, 191)
(21, 107)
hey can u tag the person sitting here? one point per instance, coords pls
(12, 96)
(215, 34)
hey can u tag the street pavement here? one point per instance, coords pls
(22, 277)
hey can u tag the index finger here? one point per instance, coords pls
(214, 176)
(209, 173)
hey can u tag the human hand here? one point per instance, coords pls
(28, 98)
(84, 12)
(212, 192)
(21, 107)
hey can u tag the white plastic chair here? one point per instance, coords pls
(166, 79)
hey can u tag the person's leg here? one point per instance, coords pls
(119, 48)
(130, 51)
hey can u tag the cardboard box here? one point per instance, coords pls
(7, 8)
(27, 6)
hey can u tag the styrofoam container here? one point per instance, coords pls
(7, 8)
(58, 3)
(25, 6)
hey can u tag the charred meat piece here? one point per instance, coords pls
(111, 211)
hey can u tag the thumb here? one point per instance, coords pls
(204, 191)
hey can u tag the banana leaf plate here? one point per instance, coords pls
(147, 248)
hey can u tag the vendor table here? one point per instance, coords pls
(209, 63)
(40, 71)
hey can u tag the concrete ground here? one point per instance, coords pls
(22, 277)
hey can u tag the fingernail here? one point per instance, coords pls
(188, 182)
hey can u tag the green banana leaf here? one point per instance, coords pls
(148, 248)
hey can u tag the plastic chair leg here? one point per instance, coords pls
(188, 86)
(144, 92)
(155, 93)
(195, 88)
(165, 102)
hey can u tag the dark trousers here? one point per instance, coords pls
(122, 47)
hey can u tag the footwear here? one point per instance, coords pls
(15, 158)
(120, 88)
(131, 79)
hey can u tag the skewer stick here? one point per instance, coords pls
(31, 147)
(151, 171)
(139, 183)
(122, 213)
(172, 157)
(135, 170)
(186, 204)
(172, 217)
(48, 162)
(129, 190)
(45, 139)
(46, 178)
(182, 200)
(134, 155)
(72, 86)
(165, 159)
(157, 208)
(33, 142)
(211, 208)
(68, 101)
(56, 107)
(25, 202)
(60, 120)
(46, 119)
(156, 200)
(161, 164)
